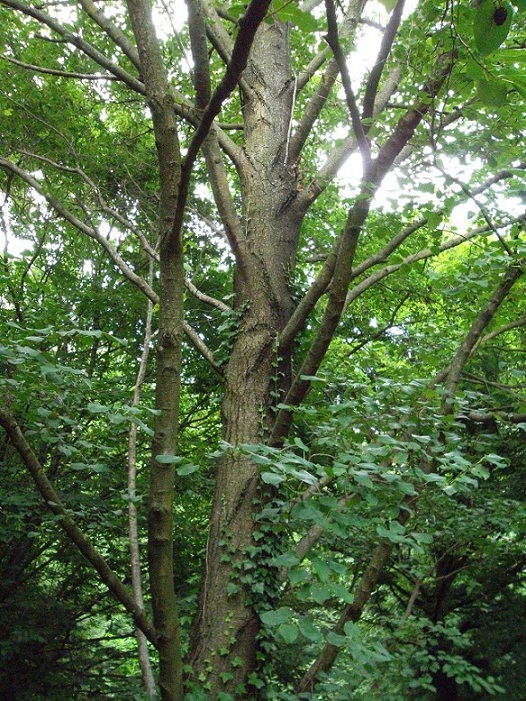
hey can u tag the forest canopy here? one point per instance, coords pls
(262, 350)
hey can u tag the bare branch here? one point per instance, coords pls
(401, 134)
(53, 71)
(116, 35)
(317, 103)
(480, 206)
(375, 75)
(206, 298)
(201, 347)
(248, 25)
(334, 42)
(135, 559)
(503, 329)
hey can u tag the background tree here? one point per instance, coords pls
(212, 154)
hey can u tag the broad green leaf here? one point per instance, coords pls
(290, 12)
(491, 25)
(309, 630)
(169, 459)
(97, 408)
(301, 445)
(289, 632)
(336, 640)
(492, 93)
(272, 478)
(276, 618)
(320, 594)
(285, 560)
(187, 469)
(434, 220)
(389, 4)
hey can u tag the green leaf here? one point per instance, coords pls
(309, 630)
(276, 618)
(300, 444)
(320, 594)
(491, 25)
(492, 93)
(96, 408)
(187, 469)
(434, 220)
(285, 560)
(336, 640)
(272, 478)
(168, 459)
(290, 12)
(289, 632)
(389, 4)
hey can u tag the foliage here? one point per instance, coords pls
(330, 439)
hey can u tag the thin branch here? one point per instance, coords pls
(202, 347)
(214, 162)
(473, 336)
(53, 71)
(135, 559)
(315, 532)
(480, 206)
(503, 329)
(248, 25)
(334, 42)
(339, 155)
(411, 602)
(93, 233)
(402, 133)
(206, 298)
(318, 101)
(67, 523)
(73, 39)
(352, 612)
(116, 35)
(380, 332)
(375, 75)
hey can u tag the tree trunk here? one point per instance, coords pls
(226, 630)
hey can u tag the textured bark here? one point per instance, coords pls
(254, 377)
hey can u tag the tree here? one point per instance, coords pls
(230, 181)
